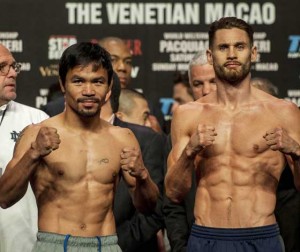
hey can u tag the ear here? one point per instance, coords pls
(253, 53)
(107, 96)
(63, 90)
(209, 56)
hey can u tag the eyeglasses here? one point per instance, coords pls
(4, 68)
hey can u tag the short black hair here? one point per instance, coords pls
(229, 23)
(182, 77)
(83, 54)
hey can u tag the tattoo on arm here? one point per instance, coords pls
(19, 138)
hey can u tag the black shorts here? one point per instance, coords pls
(256, 239)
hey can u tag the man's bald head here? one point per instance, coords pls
(133, 108)
(121, 58)
(7, 78)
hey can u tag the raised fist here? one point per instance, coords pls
(278, 139)
(132, 162)
(46, 141)
(204, 136)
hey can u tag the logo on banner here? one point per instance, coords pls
(135, 47)
(57, 44)
(11, 42)
(294, 49)
(293, 95)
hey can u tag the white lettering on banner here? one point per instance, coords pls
(13, 45)
(259, 35)
(185, 35)
(47, 71)
(9, 35)
(153, 13)
(25, 66)
(294, 100)
(182, 67)
(267, 66)
(40, 101)
(181, 57)
(252, 13)
(84, 13)
(263, 46)
(173, 35)
(182, 46)
(57, 44)
(163, 67)
(293, 93)
(134, 71)
(44, 91)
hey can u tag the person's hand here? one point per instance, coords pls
(47, 140)
(203, 137)
(278, 139)
(132, 162)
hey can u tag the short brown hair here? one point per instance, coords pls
(229, 23)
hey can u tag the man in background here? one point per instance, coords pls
(179, 218)
(121, 57)
(201, 75)
(182, 92)
(133, 108)
(136, 231)
(20, 221)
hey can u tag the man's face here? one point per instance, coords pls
(86, 90)
(8, 81)
(121, 61)
(139, 113)
(202, 80)
(231, 55)
(181, 94)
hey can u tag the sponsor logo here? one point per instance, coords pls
(11, 42)
(57, 44)
(294, 49)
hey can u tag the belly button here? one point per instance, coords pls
(83, 226)
(60, 172)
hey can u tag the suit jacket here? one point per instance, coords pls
(136, 231)
(54, 107)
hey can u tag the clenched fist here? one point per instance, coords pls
(131, 161)
(278, 139)
(46, 141)
(204, 136)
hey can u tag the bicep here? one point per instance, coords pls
(177, 150)
(179, 138)
(23, 143)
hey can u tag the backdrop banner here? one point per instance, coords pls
(163, 36)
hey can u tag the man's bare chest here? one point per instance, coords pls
(241, 133)
(80, 159)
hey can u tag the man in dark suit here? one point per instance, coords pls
(136, 231)
(54, 107)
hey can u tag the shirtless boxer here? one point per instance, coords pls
(237, 139)
(75, 159)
